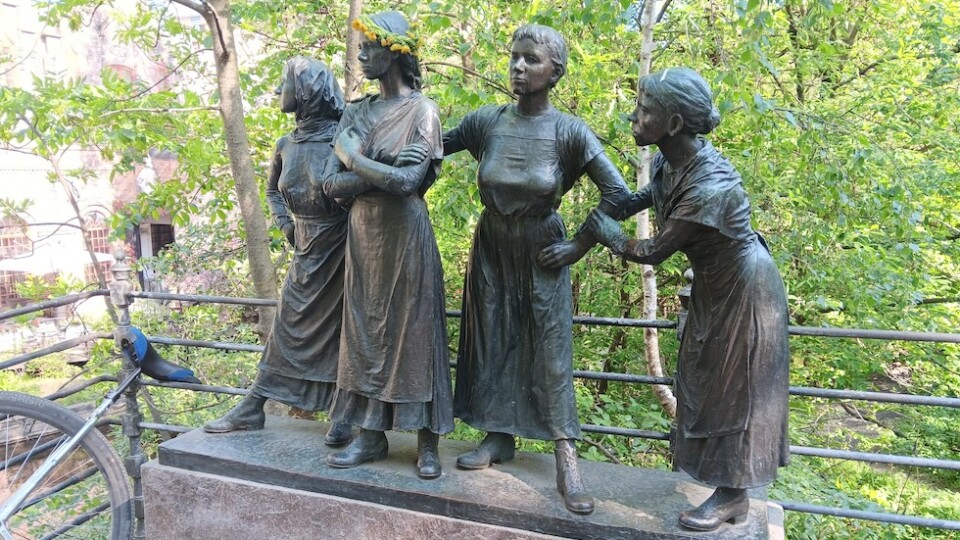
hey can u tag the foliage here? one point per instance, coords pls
(841, 117)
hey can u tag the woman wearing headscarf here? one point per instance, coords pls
(299, 363)
(732, 379)
(394, 370)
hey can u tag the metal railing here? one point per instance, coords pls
(122, 295)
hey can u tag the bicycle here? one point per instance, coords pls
(59, 476)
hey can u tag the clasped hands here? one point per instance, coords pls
(349, 145)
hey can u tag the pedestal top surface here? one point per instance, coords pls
(630, 502)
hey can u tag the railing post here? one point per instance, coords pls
(121, 286)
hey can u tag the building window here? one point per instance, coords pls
(90, 275)
(161, 235)
(14, 241)
(8, 288)
(98, 232)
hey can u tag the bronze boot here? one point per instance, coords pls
(248, 415)
(726, 504)
(339, 434)
(569, 483)
(494, 448)
(428, 456)
(369, 445)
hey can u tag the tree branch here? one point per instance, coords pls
(199, 7)
(215, 17)
(158, 110)
(165, 77)
(471, 72)
(603, 450)
(663, 10)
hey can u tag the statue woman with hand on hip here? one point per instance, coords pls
(515, 362)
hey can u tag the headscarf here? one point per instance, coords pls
(320, 101)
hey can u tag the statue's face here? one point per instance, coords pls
(287, 91)
(375, 59)
(648, 121)
(531, 70)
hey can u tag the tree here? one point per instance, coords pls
(353, 77)
(647, 19)
(217, 15)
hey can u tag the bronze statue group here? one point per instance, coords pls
(360, 329)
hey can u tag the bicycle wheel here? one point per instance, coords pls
(85, 497)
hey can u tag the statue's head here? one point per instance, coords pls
(684, 92)
(310, 90)
(552, 42)
(390, 32)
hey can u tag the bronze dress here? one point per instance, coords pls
(515, 361)
(299, 364)
(394, 367)
(732, 379)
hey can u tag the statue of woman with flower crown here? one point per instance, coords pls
(394, 372)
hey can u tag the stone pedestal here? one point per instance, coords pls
(274, 484)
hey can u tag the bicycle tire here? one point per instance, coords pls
(90, 478)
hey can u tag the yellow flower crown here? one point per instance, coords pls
(396, 42)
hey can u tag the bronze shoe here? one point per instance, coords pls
(339, 434)
(569, 482)
(368, 446)
(247, 415)
(494, 448)
(428, 456)
(726, 504)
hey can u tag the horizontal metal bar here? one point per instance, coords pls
(55, 302)
(882, 397)
(628, 323)
(869, 457)
(55, 348)
(71, 390)
(818, 331)
(622, 377)
(69, 482)
(165, 427)
(77, 521)
(890, 335)
(196, 387)
(624, 432)
(202, 298)
(882, 517)
(219, 345)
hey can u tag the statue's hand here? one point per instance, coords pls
(560, 254)
(603, 227)
(349, 145)
(289, 230)
(411, 154)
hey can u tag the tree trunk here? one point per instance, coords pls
(353, 77)
(68, 190)
(262, 271)
(650, 335)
